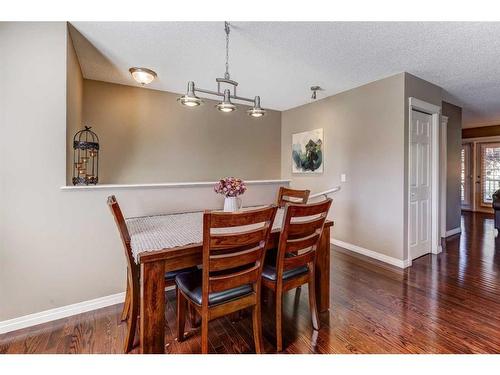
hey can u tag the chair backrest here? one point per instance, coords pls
(124, 234)
(284, 195)
(234, 247)
(300, 234)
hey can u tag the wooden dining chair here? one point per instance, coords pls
(292, 264)
(234, 247)
(286, 195)
(131, 306)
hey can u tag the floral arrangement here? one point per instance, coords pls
(230, 187)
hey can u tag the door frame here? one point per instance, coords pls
(436, 160)
(443, 173)
(470, 181)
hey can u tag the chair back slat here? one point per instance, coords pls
(235, 259)
(306, 227)
(232, 240)
(287, 195)
(234, 248)
(221, 219)
(300, 235)
(233, 280)
(299, 260)
(302, 243)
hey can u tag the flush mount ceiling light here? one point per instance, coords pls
(143, 76)
(191, 100)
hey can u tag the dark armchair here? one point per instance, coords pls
(496, 207)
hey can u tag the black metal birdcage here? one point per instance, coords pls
(85, 157)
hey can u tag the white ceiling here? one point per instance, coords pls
(280, 60)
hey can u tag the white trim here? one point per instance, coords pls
(444, 173)
(60, 312)
(63, 312)
(454, 231)
(167, 184)
(371, 254)
(435, 112)
(415, 103)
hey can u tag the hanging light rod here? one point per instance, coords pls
(190, 99)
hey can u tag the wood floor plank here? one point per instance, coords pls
(446, 303)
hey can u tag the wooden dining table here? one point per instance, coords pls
(163, 243)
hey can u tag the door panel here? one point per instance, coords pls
(420, 184)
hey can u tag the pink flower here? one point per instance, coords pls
(230, 186)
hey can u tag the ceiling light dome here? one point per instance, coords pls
(143, 76)
(190, 99)
(226, 105)
(256, 110)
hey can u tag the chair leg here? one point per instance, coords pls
(181, 315)
(257, 328)
(204, 333)
(193, 317)
(312, 299)
(279, 317)
(126, 305)
(131, 321)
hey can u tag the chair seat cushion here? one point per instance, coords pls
(190, 284)
(170, 275)
(269, 270)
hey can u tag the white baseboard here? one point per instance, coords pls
(453, 231)
(60, 312)
(372, 254)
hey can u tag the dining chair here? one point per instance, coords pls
(287, 195)
(131, 306)
(292, 264)
(234, 246)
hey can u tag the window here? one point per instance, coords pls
(490, 171)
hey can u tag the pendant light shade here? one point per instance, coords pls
(143, 76)
(226, 105)
(190, 99)
(256, 110)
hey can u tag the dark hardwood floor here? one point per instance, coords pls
(448, 303)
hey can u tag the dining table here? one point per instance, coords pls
(163, 243)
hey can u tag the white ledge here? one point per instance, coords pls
(166, 184)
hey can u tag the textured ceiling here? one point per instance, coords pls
(280, 60)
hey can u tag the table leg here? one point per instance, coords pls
(323, 271)
(152, 315)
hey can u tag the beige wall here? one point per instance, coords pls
(454, 146)
(74, 103)
(61, 247)
(364, 138)
(147, 136)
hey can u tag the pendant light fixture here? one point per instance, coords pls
(191, 100)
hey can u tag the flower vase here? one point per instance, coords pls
(232, 204)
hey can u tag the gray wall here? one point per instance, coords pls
(61, 247)
(454, 146)
(147, 136)
(364, 138)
